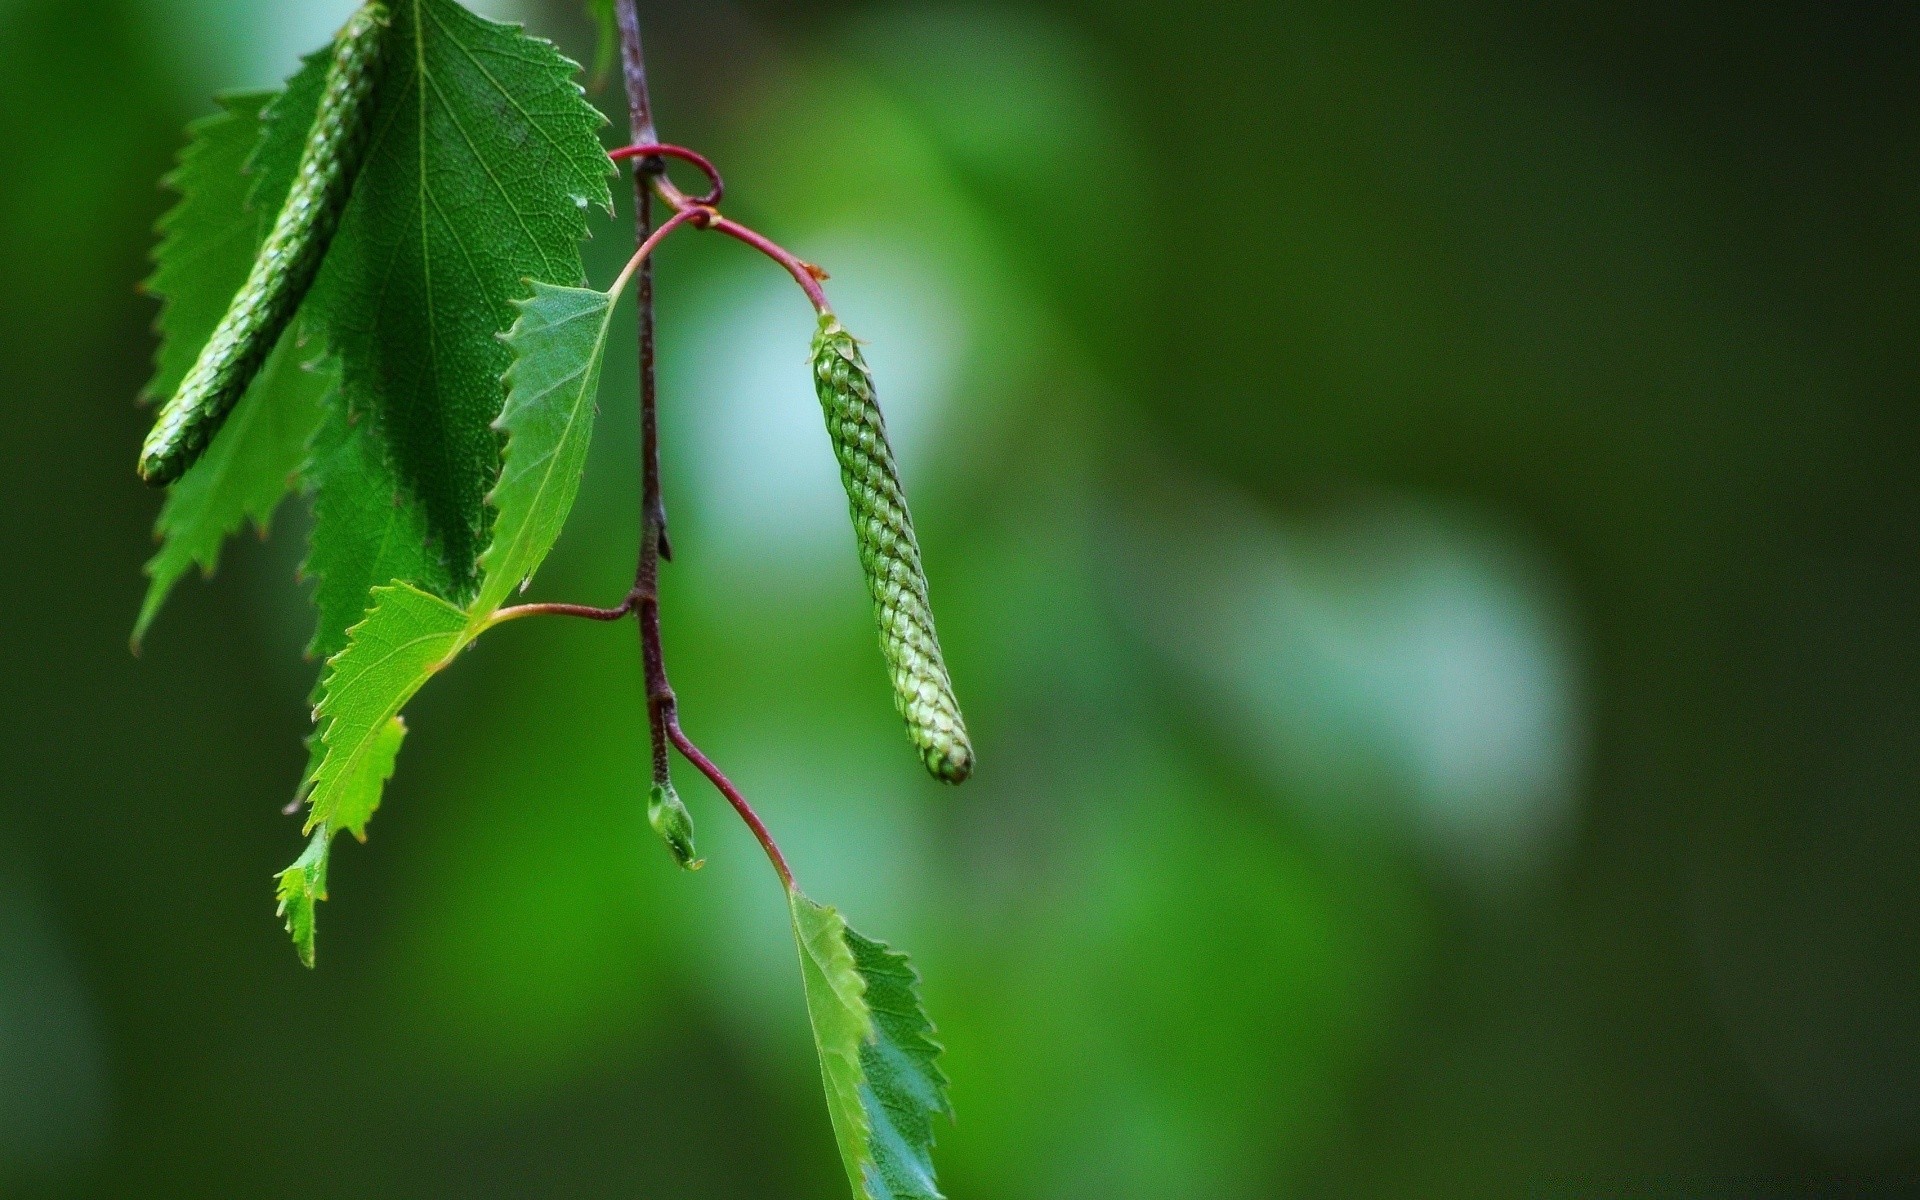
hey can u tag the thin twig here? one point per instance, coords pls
(732, 793)
(716, 187)
(646, 576)
(663, 721)
(804, 273)
(587, 611)
(651, 157)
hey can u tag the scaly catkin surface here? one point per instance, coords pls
(889, 554)
(288, 259)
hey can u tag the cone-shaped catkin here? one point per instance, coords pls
(889, 554)
(288, 259)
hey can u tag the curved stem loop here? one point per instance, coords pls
(717, 187)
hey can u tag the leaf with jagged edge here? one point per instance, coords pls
(300, 888)
(367, 529)
(304, 884)
(484, 158)
(878, 1058)
(406, 637)
(228, 196)
(552, 386)
(409, 634)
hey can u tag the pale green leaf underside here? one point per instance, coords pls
(877, 1055)
(548, 420)
(228, 195)
(304, 884)
(406, 637)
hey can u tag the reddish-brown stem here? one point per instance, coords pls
(663, 722)
(716, 188)
(719, 780)
(586, 611)
(697, 214)
(653, 516)
(804, 273)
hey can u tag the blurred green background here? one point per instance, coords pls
(1422, 503)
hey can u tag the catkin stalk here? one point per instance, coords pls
(288, 260)
(889, 554)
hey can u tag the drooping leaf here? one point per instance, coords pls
(878, 1058)
(228, 194)
(408, 634)
(548, 420)
(485, 157)
(406, 637)
(304, 884)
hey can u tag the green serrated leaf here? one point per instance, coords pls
(407, 636)
(301, 887)
(304, 884)
(208, 243)
(207, 239)
(485, 158)
(878, 1058)
(548, 420)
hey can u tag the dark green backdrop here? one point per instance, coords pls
(1423, 506)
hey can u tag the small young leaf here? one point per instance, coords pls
(304, 884)
(208, 246)
(548, 420)
(878, 1058)
(407, 636)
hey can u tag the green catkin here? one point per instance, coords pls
(889, 554)
(287, 262)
